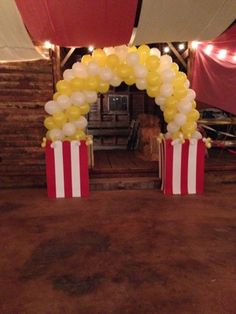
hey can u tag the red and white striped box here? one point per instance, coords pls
(67, 169)
(181, 166)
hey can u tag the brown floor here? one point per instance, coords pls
(118, 252)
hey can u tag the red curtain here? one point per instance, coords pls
(213, 77)
(78, 23)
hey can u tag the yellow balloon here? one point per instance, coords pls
(99, 56)
(193, 115)
(79, 135)
(63, 87)
(194, 104)
(169, 114)
(113, 61)
(84, 109)
(92, 83)
(86, 59)
(73, 113)
(56, 95)
(171, 102)
(174, 66)
(77, 84)
(176, 135)
(103, 87)
(60, 119)
(188, 128)
(132, 49)
(153, 91)
(152, 62)
(49, 123)
(153, 79)
(180, 92)
(143, 52)
(124, 70)
(130, 80)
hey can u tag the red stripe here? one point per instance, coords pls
(67, 168)
(84, 177)
(184, 167)
(162, 165)
(50, 170)
(200, 166)
(168, 168)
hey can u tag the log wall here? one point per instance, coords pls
(24, 89)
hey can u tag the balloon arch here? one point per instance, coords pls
(143, 66)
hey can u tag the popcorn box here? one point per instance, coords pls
(67, 169)
(181, 166)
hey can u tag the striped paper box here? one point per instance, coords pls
(67, 169)
(181, 166)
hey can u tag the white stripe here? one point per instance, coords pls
(160, 161)
(75, 169)
(59, 171)
(176, 181)
(192, 167)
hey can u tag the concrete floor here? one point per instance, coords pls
(118, 252)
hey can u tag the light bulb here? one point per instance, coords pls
(222, 54)
(208, 49)
(181, 46)
(90, 48)
(166, 49)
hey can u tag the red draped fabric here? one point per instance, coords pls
(77, 23)
(213, 77)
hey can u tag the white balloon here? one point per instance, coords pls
(68, 75)
(160, 100)
(162, 107)
(93, 68)
(121, 52)
(155, 52)
(81, 123)
(56, 135)
(165, 63)
(132, 58)
(115, 81)
(80, 70)
(184, 106)
(197, 135)
(68, 129)
(140, 71)
(109, 50)
(91, 97)
(172, 127)
(106, 74)
(166, 90)
(167, 135)
(63, 101)
(78, 98)
(52, 107)
(141, 84)
(186, 84)
(191, 95)
(167, 76)
(180, 119)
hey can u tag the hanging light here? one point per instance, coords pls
(234, 57)
(195, 44)
(90, 48)
(166, 49)
(222, 54)
(48, 45)
(181, 46)
(208, 49)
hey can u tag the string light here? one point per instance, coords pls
(166, 49)
(234, 57)
(90, 48)
(181, 46)
(208, 49)
(195, 44)
(222, 54)
(48, 45)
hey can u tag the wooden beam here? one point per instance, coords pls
(56, 66)
(68, 55)
(177, 54)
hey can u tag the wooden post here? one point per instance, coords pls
(56, 65)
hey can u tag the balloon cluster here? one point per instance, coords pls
(143, 66)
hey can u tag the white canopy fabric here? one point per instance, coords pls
(183, 20)
(15, 43)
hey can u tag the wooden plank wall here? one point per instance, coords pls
(24, 89)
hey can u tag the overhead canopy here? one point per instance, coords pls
(213, 72)
(79, 22)
(183, 20)
(15, 43)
